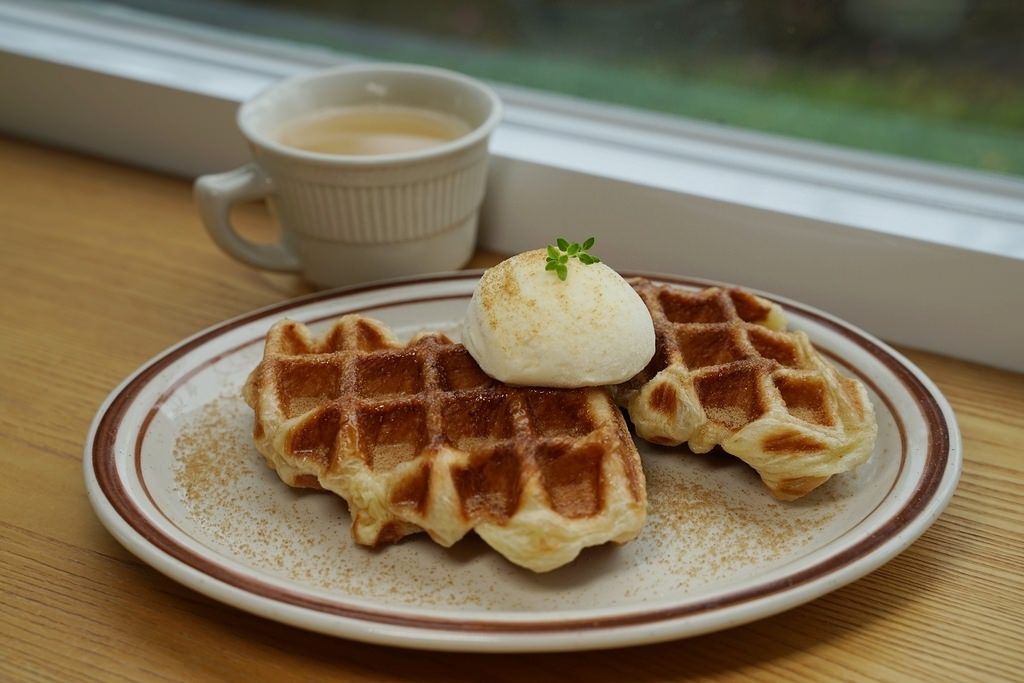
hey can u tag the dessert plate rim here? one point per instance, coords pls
(111, 470)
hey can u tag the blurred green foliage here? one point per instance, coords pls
(940, 80)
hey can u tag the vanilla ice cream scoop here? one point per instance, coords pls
(526, 326)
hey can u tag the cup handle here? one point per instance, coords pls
(217, 193)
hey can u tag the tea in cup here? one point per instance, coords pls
(371, 129)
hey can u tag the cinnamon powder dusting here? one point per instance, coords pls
(715, 504)
(240, 509)
(710, 522)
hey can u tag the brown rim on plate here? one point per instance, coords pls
(110, 484)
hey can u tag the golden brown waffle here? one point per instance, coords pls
(417, 437)
(726, 373)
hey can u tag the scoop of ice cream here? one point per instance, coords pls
(526, 326)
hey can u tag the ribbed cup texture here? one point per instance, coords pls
(378, 204)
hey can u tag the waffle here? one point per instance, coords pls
(417, 437)
(727, 373)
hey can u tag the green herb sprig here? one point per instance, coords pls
(558, 257)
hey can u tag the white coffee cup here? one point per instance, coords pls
(349, 218)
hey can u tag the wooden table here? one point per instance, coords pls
(104, 266)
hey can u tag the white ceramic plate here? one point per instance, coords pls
(171, 472)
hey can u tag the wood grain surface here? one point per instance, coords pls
(105, 266)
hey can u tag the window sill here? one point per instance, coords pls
(888, 244)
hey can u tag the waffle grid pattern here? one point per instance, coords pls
(417, 437)
(726, 373)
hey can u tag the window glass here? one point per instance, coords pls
(940, 80)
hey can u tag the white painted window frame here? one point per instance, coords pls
(918, 254)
